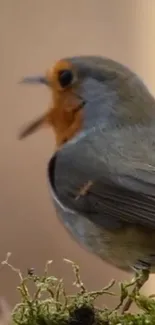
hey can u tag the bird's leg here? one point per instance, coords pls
(140, 281)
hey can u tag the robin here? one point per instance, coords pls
(102, 174)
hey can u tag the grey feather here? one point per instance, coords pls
(115, 149)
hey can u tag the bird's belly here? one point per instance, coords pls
(125, 248)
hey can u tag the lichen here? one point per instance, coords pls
(60, 308)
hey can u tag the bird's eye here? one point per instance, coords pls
(65, 78)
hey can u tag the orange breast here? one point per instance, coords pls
(65, 117)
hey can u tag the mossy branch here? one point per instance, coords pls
(60, 308)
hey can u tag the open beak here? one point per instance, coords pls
(40, 121)
(33, 127)
(45, 119)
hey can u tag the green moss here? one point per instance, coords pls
(60, 308)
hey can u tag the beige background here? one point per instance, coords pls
(33, 34)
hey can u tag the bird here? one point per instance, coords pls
(102, 173)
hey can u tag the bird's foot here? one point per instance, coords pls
(140, 279)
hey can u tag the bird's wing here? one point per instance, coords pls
(121, 169)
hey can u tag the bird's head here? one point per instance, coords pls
(65, 112)
(88, 90)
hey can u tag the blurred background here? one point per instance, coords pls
(33, 35)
